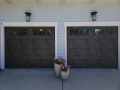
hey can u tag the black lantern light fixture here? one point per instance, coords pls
(94, 15)
(28, 16)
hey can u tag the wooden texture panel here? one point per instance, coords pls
(32, 47)
(92, 47)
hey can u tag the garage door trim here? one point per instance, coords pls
(113, 23)
(23, 24)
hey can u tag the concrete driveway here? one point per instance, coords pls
(96, 79)
(43, 79)
(29, 79)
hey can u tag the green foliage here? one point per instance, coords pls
(58, 61)
(64, 69)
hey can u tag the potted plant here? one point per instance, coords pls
(65, 71)
(57, 66)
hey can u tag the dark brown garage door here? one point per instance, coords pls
(92, 47)
(29, 47)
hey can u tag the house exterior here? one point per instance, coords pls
(59, 28)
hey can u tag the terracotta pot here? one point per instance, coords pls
(65, 75)
(57, 69)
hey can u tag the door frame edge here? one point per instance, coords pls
(21, 24)
(96, 23)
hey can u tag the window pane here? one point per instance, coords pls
(42, 31)
(19, 31)
(79, 31)
(104, 31)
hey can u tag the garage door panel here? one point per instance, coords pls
(17, 63)
(41, 52)
(82, 63)
(42, 63)
(93, 47)
(45, 43)
(79, 52)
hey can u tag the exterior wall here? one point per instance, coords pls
(119, 47)
(0, 48)
(60, 13)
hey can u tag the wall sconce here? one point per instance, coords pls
(94, 15)
(28, 16)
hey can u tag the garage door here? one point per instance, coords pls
(92, 47)
(29, 47)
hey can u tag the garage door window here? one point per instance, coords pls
(42, 31)
(104, 31)
(19, 32)
(79, 31)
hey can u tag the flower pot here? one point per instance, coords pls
(57, 69)
(65, 74)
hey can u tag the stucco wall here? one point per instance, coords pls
(60, 13)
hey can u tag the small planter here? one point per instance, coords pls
(65, 74)
(57, 69)
(57, 66)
